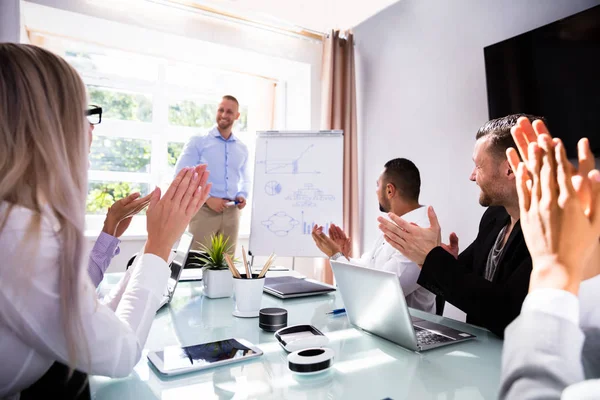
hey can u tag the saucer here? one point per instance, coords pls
(245, 314)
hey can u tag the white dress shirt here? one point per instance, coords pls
(227, 161)
(384, 257)
(32, 335)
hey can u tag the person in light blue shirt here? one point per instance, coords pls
(227, 159)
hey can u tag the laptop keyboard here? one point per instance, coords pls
(425, 337)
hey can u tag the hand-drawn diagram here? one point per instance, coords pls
(272, 188)
(308, 195)
(280, 223)
(274, 165)
(307, 227)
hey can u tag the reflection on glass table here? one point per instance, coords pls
(365, 366)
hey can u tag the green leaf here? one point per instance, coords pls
(213, 256)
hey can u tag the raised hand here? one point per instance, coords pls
(167, 217)
(339, 237)
(324, 242)
(560, 227)
(413, 241)
(452, 248)
(524, 133)
(119, 215)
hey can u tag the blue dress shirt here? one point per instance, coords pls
(227, 162)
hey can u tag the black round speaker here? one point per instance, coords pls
(272, 319)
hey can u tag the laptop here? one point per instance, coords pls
(289, 287)
(181, 255)
(374, 302)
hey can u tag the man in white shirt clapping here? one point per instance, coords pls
(398, 189)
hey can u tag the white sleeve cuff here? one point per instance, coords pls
(555, 302)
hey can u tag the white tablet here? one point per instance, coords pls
(175, 360)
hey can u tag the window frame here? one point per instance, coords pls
(292, 92)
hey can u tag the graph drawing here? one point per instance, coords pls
(296, 165)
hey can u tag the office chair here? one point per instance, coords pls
(439, 305)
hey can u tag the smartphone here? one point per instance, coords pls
(175, 360)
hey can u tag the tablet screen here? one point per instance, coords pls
(175, 357)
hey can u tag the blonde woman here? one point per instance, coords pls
(48, 306)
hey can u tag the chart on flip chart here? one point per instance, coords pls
(298, 183)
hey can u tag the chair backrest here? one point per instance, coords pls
(439, 305)
(193, 261)
(130, 262)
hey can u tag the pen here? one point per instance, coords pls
(337, 311)
(232, 203)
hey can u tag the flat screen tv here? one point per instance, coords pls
(552, 71)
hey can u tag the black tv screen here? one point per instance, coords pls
(554, 72)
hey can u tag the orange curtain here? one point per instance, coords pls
(338, 99)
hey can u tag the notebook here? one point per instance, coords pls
(287, 287)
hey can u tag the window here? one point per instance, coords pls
(102, 195)
(151, 107)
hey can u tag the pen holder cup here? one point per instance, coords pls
(247, 294)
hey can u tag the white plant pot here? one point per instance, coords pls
(217, 283)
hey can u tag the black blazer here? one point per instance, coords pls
(461, 282)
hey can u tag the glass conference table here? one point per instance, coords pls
(365, 366)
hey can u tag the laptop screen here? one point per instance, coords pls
(183, 249)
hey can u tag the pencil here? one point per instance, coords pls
(248, 273)
(265, 268)
(232, 268)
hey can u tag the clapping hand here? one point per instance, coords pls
(561, 225)
(339, 237)
(119, 215)
(169, 215)
(413, 241)
(324, 242)
(524, 133)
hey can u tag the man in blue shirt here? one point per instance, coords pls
(227, 159)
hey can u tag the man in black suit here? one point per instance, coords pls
(490, 279)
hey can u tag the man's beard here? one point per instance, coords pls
(224, 124)
(383, 209)
(485, 199)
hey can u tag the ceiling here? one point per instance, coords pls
(316, 15)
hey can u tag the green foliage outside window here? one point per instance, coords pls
(189, 113)
(120, 154)
(174, 150)
(103, 195)
(121, 105)
(192, 114)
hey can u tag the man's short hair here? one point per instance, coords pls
(498, 131)
(404, 175)
(231, 98)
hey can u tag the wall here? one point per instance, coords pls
(422, 94)
(10, 29)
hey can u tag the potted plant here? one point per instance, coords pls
(216, 277)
